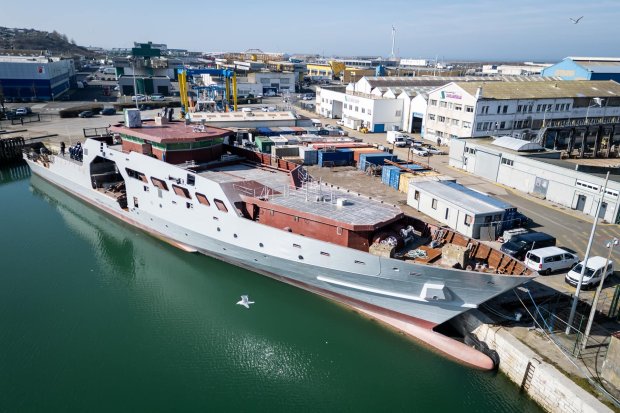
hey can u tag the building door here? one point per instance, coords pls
(379, 127)
(581, 203)
(603, 210)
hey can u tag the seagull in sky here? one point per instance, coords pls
(575, 21)
(245, 301)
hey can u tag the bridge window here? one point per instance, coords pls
(180, 191)
(159, 183)
(202, 199)
(136, 175)
(220, 205)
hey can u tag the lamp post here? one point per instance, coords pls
(610, 246)
(585, 260)
(135, 90)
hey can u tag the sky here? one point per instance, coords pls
(470, 30)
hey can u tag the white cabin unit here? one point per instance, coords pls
(469, 212)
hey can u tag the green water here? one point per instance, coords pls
(98, 316)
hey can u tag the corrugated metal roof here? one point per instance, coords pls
(404, 81)
(515, 144)
(541, 90)
(463, 197)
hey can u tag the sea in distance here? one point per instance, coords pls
(98, 316)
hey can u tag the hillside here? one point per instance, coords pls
(30, 39)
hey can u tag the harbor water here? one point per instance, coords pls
(99, 316)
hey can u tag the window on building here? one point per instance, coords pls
(441, 118)
(191, 180)
(479, 126)
(432, 102)
(447, 213)
(530, 108)
(431, 116)
(455, 122)
(505, 109)
(450, 105)
(453, 136)
(469, 109)
(434, 203)
(458, 107)
(356, 108)
(502, 125)
(519, 107)
(484, 110)
(442, 104)
(369, 112)
(467, 125)
(499, 109)
(468, 220)
(416, 195)
(568, 106)
(538, 108)
(508, 162)
(399, 113)
(363, 110)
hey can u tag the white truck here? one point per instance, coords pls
(397, 138)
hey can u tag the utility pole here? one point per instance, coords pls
(585, 261)
(610, 245)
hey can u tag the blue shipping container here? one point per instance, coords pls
(334, 158)
(375, 159)
(311, 157)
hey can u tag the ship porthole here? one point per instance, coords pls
(301, 257)
(235, 235)
(218, 229)
(260, 244)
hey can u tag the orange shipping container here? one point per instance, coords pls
(358, 151)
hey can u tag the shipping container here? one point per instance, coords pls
(264, 143)
(282, 151)
(375, 159)
(309, 155)
(335, 158)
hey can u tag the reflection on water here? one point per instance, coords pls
(96, 315)
(15, 172)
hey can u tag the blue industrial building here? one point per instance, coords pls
(586, 68)
(35, 77)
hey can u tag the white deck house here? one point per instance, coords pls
(471, 213)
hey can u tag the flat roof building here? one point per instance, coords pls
(25, 78)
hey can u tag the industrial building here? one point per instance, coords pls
(586, 68)
(526, 69)
(146, 69)
(35, 77)
(474, 109)
(471, 213)
(382, 103)
(273, 82)
(249, 120)
(526, 167)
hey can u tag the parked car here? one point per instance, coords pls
(549, 259)
(593, 273)
(158, 97)
(21, 112)
(418, 150)
(520, 244)
(268, 109)
(108, 111)
(86, 114)
(433, 151)
(138, 98)
(340, 122)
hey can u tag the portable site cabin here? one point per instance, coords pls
(469, 212)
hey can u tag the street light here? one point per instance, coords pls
(585, 260)
(135, 90)
(610, 246)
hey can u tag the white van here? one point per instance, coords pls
(550, 259)
(397, 138)
(593, 274)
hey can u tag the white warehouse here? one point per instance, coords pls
(540, 173)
